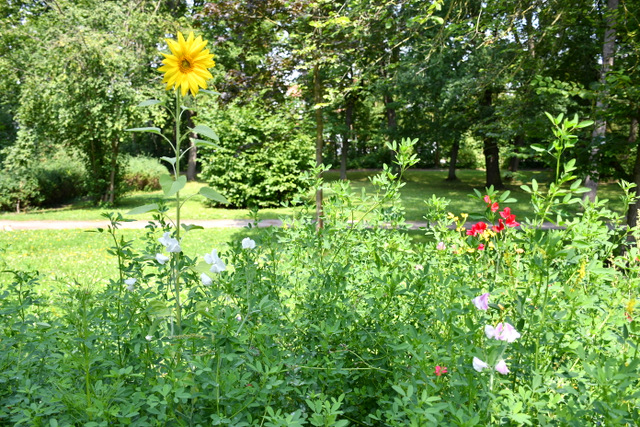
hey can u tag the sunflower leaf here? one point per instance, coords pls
(149, 129)
(205, 130)
(171, 160)
(199, 142)
(212, 194)
(171, 186)
(143, 209)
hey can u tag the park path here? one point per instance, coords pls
(6, 225)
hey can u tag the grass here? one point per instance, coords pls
(420, 185)
(64, 257)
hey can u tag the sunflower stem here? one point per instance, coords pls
(176, 172)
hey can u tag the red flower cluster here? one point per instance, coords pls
(440, 370)
(508, 219)
(477, 228)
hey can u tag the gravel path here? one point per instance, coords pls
(211, 223)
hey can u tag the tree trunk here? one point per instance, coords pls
(632, 214)
(600, 128)
(490, 145)
(317, 93)
(514, 161)
(453, 160)
(111, 191)
(348, 122)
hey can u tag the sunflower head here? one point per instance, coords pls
(187, 66)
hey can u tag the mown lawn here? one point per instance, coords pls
(420, 185)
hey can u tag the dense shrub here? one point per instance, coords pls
(48, 180)
(61, 178)
(261, 155)
(143, 173)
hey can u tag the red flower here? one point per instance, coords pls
(476, 229)
(498, 228)
(481, 247)
(487, 199)
(509, 219)
(494, 207)
(440, 370)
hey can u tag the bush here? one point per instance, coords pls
(143, 173)
(61, 178)
(48, 181)
(261, 157)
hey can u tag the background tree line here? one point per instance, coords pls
(470, 79)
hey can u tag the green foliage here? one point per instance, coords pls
(260, 157)
(143, 173)
(339, 325)
(45, 179)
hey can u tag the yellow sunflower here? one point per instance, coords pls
(186, 67)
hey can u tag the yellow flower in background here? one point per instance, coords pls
(187, 66)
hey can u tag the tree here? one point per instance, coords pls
(80, 87)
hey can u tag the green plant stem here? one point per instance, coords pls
(176, 171)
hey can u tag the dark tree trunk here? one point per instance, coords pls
(348, 121)
(600, 128)
(453, 160)
(490, 145)
(317, 93)
(110, 196)
(632, 214)
(514, 161)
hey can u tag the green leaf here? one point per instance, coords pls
(205, 130)
(143, 209)
(149, 102)
(148, 130)
(190, 227)
(199, 142)
(212, 194)
(210, 92)
(171, 160)
(171, 187)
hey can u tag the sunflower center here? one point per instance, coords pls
(185, 65)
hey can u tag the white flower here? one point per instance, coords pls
(248, 243)
(502, 367)
(162, 258)
(206, 280)
(479, 365)
(489, 331)
(217, 266)
(441, 246)
(170, 243)
(130, 283)
(239, 318)
(148, 338)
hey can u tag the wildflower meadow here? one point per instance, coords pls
(490, 319)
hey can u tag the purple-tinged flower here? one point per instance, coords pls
(482, 302)
(502, 367)
(479, 365)
(490, 331)
(506, 332)
(162, 258)
(441, 246)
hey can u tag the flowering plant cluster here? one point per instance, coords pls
(503, 331)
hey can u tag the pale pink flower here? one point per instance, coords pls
(502, 367)
(482, 302)
(506, 332)
(441, 246)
